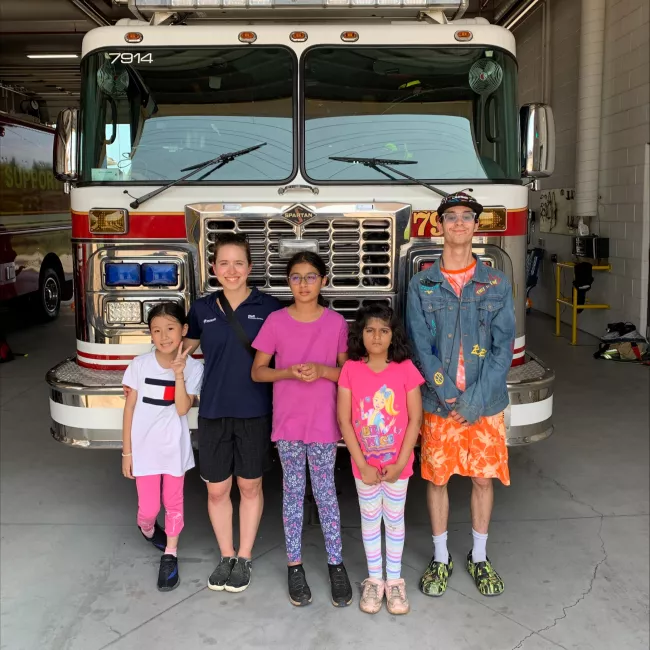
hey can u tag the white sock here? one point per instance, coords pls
(479, 553)
(440, 552)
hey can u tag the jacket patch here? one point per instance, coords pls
(478, 351)
(438, 379)
(494, 280)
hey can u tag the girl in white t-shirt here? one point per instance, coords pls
(156, 434)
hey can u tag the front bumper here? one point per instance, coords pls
(529, 416)
(86, 406)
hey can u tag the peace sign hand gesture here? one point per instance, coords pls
(178, 364)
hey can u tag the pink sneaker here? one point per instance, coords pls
(396, 600)
(372, 595)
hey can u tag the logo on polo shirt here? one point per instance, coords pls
(159, 392)
(209, 320)
(253, 317)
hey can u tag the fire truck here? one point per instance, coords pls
(327, 125)
(35, 254)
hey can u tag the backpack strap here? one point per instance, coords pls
(235, 324)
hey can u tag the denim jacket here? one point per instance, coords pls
(483, 318)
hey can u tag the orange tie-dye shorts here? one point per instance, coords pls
(477, 450)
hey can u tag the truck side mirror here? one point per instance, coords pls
(537, 127)
(65, 146)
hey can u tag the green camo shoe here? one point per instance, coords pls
(435, 577)
(488, 581)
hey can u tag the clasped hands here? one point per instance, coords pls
(371, 475)
(454, 415)
(307, 372)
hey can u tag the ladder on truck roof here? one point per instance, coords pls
(166, 12)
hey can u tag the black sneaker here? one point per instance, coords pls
(299, 591)
(159, 538)
(340, 583)
(217, 581)
(240, 576)
(168, 575)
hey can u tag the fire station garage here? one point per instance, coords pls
(136, 134)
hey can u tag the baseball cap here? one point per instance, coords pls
(460, 199)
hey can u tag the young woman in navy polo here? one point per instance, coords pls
(234, 412)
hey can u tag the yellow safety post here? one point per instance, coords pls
(573, 303)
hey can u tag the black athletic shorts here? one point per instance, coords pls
(239, 446)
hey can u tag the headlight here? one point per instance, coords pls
(150, 304)
(123, 311)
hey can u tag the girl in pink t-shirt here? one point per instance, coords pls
(309, 343)
(380, 413)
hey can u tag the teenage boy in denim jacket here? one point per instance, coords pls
(460, 317)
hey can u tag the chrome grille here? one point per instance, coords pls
(358, 251)
(348, 306)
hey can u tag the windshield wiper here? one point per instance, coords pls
(379, 163)
(215, 163)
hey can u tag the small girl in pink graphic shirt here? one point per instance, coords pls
(379, 413)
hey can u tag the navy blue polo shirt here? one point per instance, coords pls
(228, 390)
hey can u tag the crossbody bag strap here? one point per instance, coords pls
(235, 324)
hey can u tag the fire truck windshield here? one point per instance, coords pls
(148, 115)
(452, 109)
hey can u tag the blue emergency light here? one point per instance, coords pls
(162, 274)
(122, 274)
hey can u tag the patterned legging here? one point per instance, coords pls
(387, 500)
(321, 458)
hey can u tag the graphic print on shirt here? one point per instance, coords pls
(159, 392)
(378, 432)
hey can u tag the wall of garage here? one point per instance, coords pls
(623, 211)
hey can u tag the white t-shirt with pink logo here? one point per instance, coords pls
(160, 437)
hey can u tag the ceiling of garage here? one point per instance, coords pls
(58, 27)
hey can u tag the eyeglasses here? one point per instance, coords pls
(310, 278)
(452, 217)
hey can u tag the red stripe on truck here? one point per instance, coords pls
(141, 225)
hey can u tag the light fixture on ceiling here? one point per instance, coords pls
(52, 56)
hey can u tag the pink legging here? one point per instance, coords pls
(149, 501)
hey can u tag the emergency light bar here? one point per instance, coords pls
(202, 8)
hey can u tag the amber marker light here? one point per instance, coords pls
(350, 37)
(107, 221)
(463, 35)
(133, 37)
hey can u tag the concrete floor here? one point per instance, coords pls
(570, 537)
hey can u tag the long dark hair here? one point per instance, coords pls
(399, 349)
(232, 239)
(171, 309)
(307, 257)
